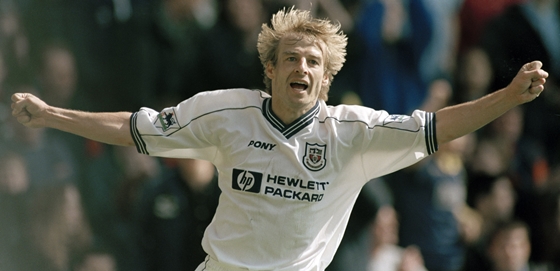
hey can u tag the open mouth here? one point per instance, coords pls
(299, 85)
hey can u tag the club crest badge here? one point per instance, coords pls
(167, 120)
(314, 157)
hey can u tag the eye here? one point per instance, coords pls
(314, 62)
(291, 58)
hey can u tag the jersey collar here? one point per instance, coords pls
(292, 128)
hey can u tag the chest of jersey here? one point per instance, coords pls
(262, 160)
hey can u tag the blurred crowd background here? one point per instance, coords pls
(487, 201)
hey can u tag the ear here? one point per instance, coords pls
(270, 70)
(325, 81)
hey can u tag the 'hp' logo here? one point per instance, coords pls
(245, 180)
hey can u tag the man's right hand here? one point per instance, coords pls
(29, 110)
(106, 127)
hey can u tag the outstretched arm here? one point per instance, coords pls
(110, 128)
(455, 121)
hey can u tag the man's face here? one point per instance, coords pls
(59, 75)
(298, 76)
(510, 250)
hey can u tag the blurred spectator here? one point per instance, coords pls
(206, 12)
(493, 197)
(107, 38)
(174, 213)
(234, 38)
(57, 80)
(529, 31)
(345, 89)
(438, 96)
(172, 59)
(53, 20)
(409, 53)
(354, 250)
(438, 62)
(520, 156)
(58, 228)
(13, 173)
(335, 10)
(547, 247)
(100, 49)
(111, 185)
(431, 201)
(14, 44)
(5, 110)
(386, 255)
(57, 74)
(473, 75)
(3, 75)
(14, 186)
(95, 260)
(474, 16)
(396, 34)
(502, 148)
(509, 249)
(48, 157)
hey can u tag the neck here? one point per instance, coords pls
(288, 114)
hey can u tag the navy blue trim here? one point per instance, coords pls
(292, 128)
(430, 133)
(138, 141)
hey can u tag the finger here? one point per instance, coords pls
(537, 82)
(23, 119)
(535, 65)
(538, 76)
(542, 74)
(17, 107)
(536, 90)
(16, 97)
(18, 100)
(20, 113)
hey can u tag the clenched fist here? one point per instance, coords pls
(29, 110)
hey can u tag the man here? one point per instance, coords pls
(509, 249)
(290, 167)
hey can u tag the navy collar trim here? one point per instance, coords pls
(292, 128)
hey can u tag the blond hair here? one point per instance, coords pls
(300, 22)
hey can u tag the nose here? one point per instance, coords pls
(302, 66)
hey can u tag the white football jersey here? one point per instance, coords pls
(287, 190)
